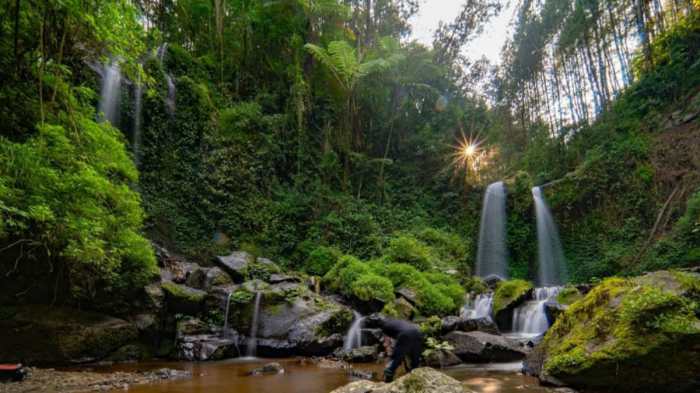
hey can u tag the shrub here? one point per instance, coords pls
(373, 287)
(321, 260)
(407, 249)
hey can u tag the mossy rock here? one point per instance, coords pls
(569, 295)
(633, 335)
(182, 299)
(44, 335)
(508, 293)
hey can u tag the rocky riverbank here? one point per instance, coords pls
(51, 380)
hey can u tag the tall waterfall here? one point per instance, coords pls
(170, 98)
(530, 318)
(138, 94)
(551, 262)
(492, 254)
(252, 337)
(479, 307)
(224, 331)
(353, 338)
(109, 96)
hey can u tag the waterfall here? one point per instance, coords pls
(551, 264)
(162, 50)
(530, 318)
(170, 99)
(353, 338)
(224, 331)
(252, 337)
(480, 307)
(109, 97)
(492, 254)
(138, 94)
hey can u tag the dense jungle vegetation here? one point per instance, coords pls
(317, 133)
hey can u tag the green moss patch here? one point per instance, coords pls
(509, 291)
(569, 295)
(626, 332)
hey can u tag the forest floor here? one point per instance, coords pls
(51, 380)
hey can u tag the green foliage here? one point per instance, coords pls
(242, 296)
(373, 287)
(509, 291)
(409, 250)
(321, 260)
(431, 327)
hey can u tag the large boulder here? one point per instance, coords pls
(421, 380)
(479, 347)
(205, 278)
(509, 295)
(200, 347)
(441, 358)
(634, 335)
(236, 264)
(181, 299)
(465, 324)
(292, 320)
(44, 335)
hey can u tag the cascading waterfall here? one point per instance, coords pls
(252, 337)
(530, 319)
(138, 94)
(109, 96)
(551, 262)
(353, 338)
(492, 254)
(479, 307)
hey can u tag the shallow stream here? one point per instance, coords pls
(303, 376)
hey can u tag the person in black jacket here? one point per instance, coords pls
(408, 342)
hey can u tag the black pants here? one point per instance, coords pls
(409, 345)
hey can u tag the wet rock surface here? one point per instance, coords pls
(365, 354)
(441, 358)
(269, 368)
(236, 264)
(464, 324)
(55, 335)
(418, 381)
(50, 380)
(479, 347)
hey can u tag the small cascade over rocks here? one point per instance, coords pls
(170, 99)
(225, 330)
(252, 337)
(109, 96)
(492, 255)
(479, 307)
(353, 338)
(530, 318)
(551, 268)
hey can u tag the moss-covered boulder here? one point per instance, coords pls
(509, 295)
(181, 299)
(633, 335)
(417, 381)
(44, 335)
(292, 320)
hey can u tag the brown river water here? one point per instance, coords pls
(301, 376)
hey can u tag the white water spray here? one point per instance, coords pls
(109, 96)
(492, 256)
(479, 307)
(551, 262)
(252, 337)
(530, 319)
(138, 94)
(353, 338)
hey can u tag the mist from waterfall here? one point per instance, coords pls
(492, 255)
(551, 267)
(109, 96)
